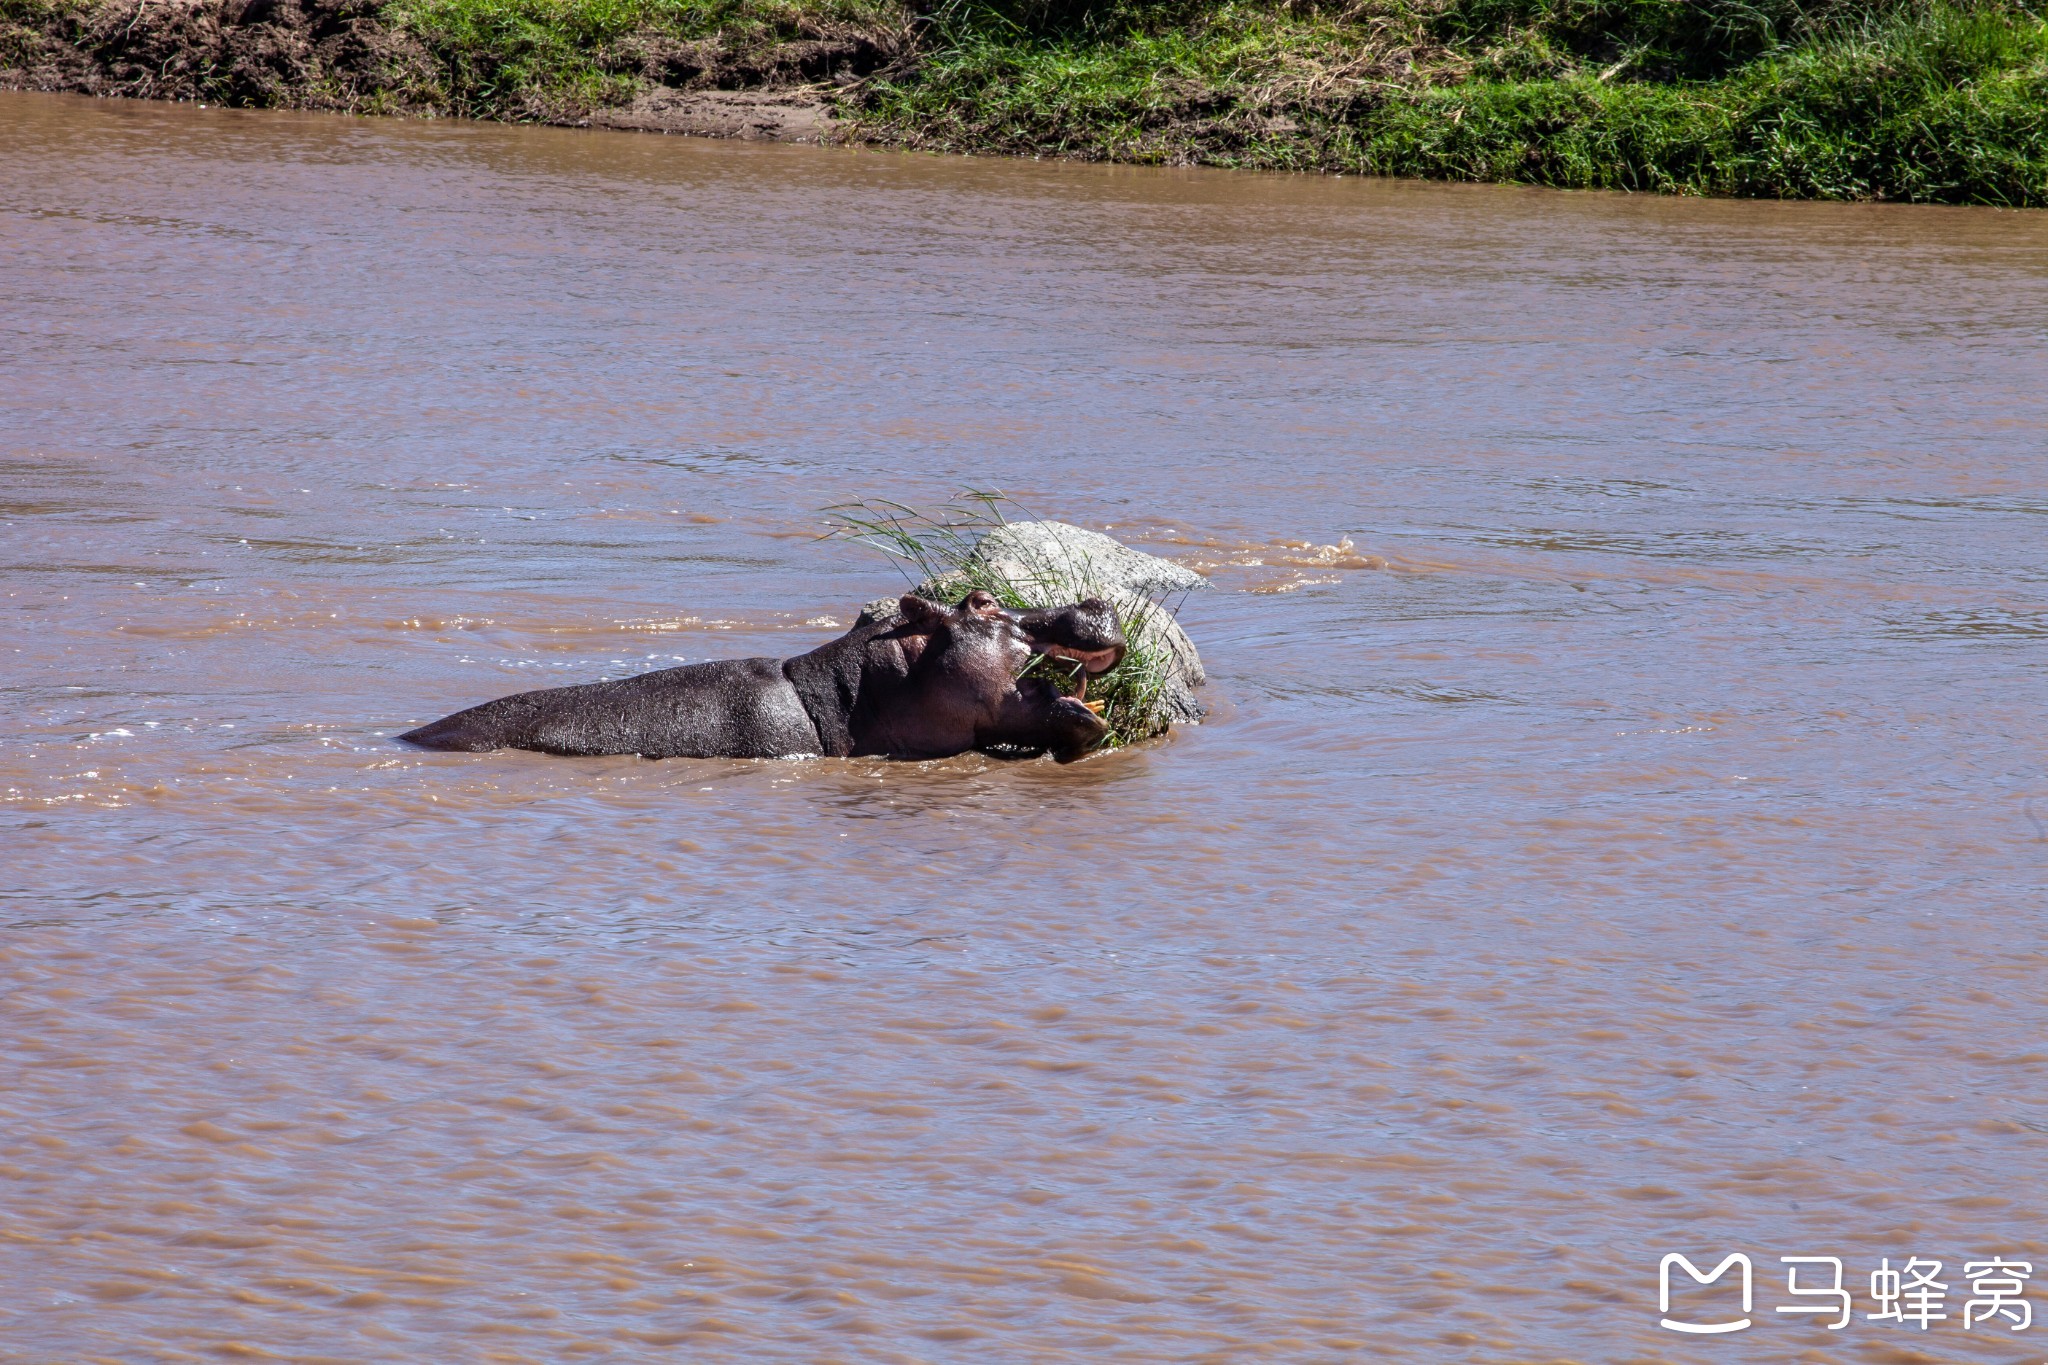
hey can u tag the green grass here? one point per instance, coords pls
(503, 57)
(1922, 100)
(1903, 113)
(1925, 103)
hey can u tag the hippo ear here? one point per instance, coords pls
(921, 615)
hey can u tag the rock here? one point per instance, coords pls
(1050, 563)
(1055, 554)
(883, 609)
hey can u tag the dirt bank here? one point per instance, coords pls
(792, 114)
(345, 55)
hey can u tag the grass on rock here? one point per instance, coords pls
(935, 550)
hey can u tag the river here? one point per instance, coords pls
(1630, 843)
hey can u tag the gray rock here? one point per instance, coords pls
(1050, 563)
(1058, 556)
(883, 609)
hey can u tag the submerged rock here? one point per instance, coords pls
(1051, 563)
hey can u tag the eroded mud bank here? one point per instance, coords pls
(350, 56)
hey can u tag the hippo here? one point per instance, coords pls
(923, 681)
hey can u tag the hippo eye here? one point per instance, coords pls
(982, 603)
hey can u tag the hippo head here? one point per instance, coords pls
(966, 662)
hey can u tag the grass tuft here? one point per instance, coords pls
(935, 550)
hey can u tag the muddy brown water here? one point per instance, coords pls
(1632, 843)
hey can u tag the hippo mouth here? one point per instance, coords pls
(1092, 661)
(1087, 634)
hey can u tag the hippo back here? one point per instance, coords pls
(730, 708)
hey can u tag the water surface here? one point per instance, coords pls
(1632, 842)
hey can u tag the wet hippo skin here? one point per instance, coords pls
(938, 681)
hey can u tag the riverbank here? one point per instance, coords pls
(1766, 98)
